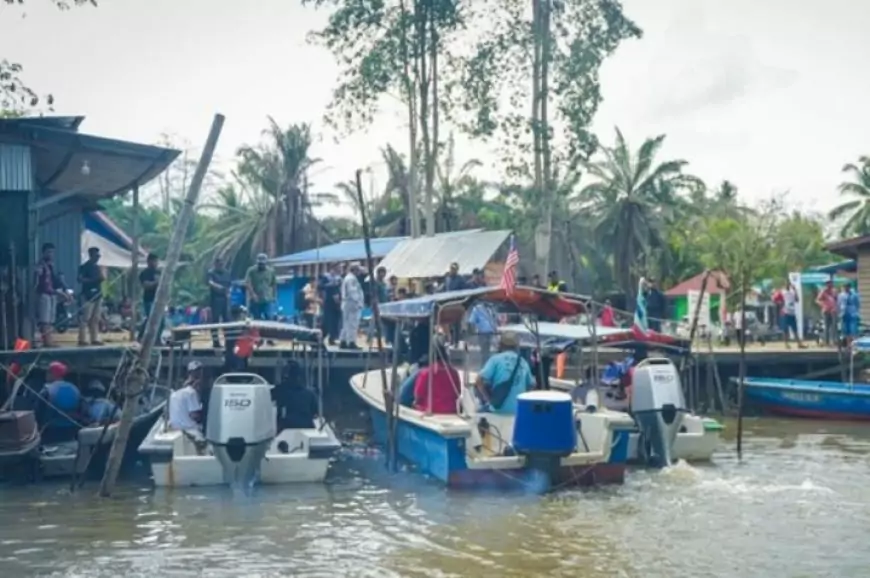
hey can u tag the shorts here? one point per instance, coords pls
(789, 322)
(850, 325)
(46, 309)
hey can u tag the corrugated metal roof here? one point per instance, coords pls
(349, 250)
(16, 169)
(432, 256)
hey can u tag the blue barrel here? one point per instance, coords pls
(237, 294)
(544, 424)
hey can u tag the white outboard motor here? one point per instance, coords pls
(241, 425)
(658, 407)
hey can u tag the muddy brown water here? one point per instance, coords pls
(797, 506)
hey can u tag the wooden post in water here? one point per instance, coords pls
(388, 391)
(135, 379)
(741, 372)
(134, 270)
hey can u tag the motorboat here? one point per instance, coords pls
(549, 443)
(241, 445)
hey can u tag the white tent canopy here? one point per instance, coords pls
(111, 255)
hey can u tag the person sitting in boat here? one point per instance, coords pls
(63, 399)
(185, 405)
(406, 389)
(419, 339)
(444, 381)
(504, 377)
(97, 407)
(296, 403)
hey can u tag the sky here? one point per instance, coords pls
(769, 94)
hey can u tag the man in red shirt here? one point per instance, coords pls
(827, 302)
(445, 385)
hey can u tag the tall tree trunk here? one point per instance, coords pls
(537, 37)
(430, 168)
(409, 202)
(549, 196)
(422, 54)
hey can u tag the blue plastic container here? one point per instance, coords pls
(545, 424)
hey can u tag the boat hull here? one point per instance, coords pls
(444, 458)
(810, 399)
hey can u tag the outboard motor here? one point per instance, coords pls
(658, 407)
(241, 425)
(544, 431)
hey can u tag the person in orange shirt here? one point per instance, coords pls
(827, 302)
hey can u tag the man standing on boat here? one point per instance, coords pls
(352, 303)
(219, 281)
(262, 286)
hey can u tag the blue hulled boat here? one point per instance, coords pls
(833, 400)
(813, 399)
(547, 444)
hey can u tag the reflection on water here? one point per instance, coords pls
(795, 507)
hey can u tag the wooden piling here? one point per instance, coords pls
(135, 379)
(388, 390)
(741, 372)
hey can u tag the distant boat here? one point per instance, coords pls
(832, 400)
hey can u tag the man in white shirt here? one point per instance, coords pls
(352, 303)
(185, 405)
(790, 303)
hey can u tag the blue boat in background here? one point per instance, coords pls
(831, 400)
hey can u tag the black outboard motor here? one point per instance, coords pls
(658, 407)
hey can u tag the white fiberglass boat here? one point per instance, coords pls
(241, 445)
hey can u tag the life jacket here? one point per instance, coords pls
(246, 343)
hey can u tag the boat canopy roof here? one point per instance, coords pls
(450, 306)
(266, 329)
(861, 344)
(562, 336)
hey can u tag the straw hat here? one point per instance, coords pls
(508, 340)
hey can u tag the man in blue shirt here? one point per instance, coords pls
(482, 319)
(849, 305)
(505, 369)
(99, 410)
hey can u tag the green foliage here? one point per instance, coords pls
(856, 210)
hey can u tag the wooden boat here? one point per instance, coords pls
(698, 436)
(830, 400)
(475, 448)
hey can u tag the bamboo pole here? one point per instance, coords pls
(741, 372)
(161, 300)
(389, 392)
(134, 270)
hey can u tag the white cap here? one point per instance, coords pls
(194, 365)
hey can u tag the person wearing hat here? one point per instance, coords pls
(91, 279)
(262, 287)
(504, 376)
(62, 395)
(352, 303)
(98, 409)
(185, 405)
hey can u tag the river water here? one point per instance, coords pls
(797, 506)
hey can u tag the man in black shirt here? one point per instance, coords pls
(91, 278)
(655, 306)
(149, 278)
(219, 281)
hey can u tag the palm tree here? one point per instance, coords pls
(279, 168)
(857, 209)
(632, 199)
(450, 185)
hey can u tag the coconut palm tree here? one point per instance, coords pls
(279, 168)
(450, 184)
(631, 200)
(856, 210)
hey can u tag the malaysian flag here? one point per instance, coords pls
(509, 275)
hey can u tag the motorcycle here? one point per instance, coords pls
(63, 316)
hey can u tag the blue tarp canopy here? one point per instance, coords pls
(848, 266)
(350, 250)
